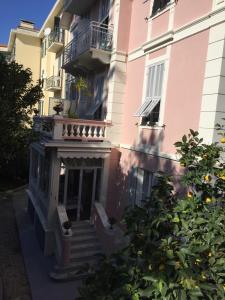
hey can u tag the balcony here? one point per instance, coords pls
(53, 84)
(91, 50)
(77, 7)
(56, 40)
(66, 129)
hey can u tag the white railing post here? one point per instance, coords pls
(58, 128)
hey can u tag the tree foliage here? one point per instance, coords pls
(18, 95)
(176, 244)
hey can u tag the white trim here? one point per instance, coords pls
(205, 22)
(140, 148)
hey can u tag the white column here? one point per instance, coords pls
(104, 181)
(54, 174)
(212, 108)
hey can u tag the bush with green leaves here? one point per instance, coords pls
(176, 246)
(18, 95)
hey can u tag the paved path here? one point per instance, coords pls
(13, 280)
(38, 266)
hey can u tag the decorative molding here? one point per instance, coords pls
(140, 148)
(206, 22)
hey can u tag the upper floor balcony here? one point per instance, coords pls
(77, 7)
(90, 50)
(56, 40)
(66, 129)
(53, 84)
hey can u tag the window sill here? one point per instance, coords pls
(152, 127)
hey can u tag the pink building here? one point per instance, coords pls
(154, 70)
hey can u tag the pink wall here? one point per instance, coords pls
(133, 98)
(189, 10)
(158, 53)
(122, 160)
(160, 24)
(184, 89)
(138, 25)
(124, 25)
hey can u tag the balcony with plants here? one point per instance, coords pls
(90, 49)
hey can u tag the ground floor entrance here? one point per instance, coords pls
(79, 189)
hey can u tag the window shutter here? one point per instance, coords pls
(147, 107)
(153, 90)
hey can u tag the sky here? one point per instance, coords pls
(11, 11)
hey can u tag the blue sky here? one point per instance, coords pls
(11, 11)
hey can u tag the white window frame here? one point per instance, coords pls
(149, 103)
(165, 59)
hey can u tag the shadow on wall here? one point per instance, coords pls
(144, 154)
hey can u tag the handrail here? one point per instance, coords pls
(95, 35)
(56, 36)
(53, 82)
(59, 128)
(62, 218)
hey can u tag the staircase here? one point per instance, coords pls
(85, 251)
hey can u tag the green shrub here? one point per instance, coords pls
(176, 244)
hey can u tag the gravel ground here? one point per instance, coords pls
(12, 271)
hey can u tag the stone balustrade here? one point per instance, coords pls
(59, 128)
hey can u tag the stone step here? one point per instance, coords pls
(79, 247)
(75, 271)
(81, 224)
(85, 255)
(83, 239)
(83, 231)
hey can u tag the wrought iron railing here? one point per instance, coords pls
(96, 35)
(56, 36)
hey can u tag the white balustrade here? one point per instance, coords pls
(60, 128)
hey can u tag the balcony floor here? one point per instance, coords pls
(93, 59)
(55, 47)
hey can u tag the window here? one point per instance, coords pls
(104, 10)
(96, 108)
(150, 109)
(159, 5)
(140, 185)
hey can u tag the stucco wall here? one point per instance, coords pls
(28, 54)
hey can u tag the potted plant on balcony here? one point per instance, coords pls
(58, 108)
(80, 85)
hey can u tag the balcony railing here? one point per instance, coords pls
(59, 128)
(53, 83)
(56, 40)
(95, 36)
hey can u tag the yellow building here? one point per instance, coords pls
(25, 47)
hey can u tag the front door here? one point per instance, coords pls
(80, 193)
